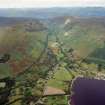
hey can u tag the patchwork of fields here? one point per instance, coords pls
(46, 55)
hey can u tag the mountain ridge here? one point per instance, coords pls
(45, 13)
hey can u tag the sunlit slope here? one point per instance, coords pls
(83, 34)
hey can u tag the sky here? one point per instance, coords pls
(49, 3)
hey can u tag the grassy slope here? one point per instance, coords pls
(24, 46)
(85, 37)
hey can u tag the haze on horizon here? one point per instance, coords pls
(50, 3)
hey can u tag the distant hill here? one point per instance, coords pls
(45, 13)
(6, 21)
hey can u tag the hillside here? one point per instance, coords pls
(83, 34)
(23, 39)
(45, 13)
